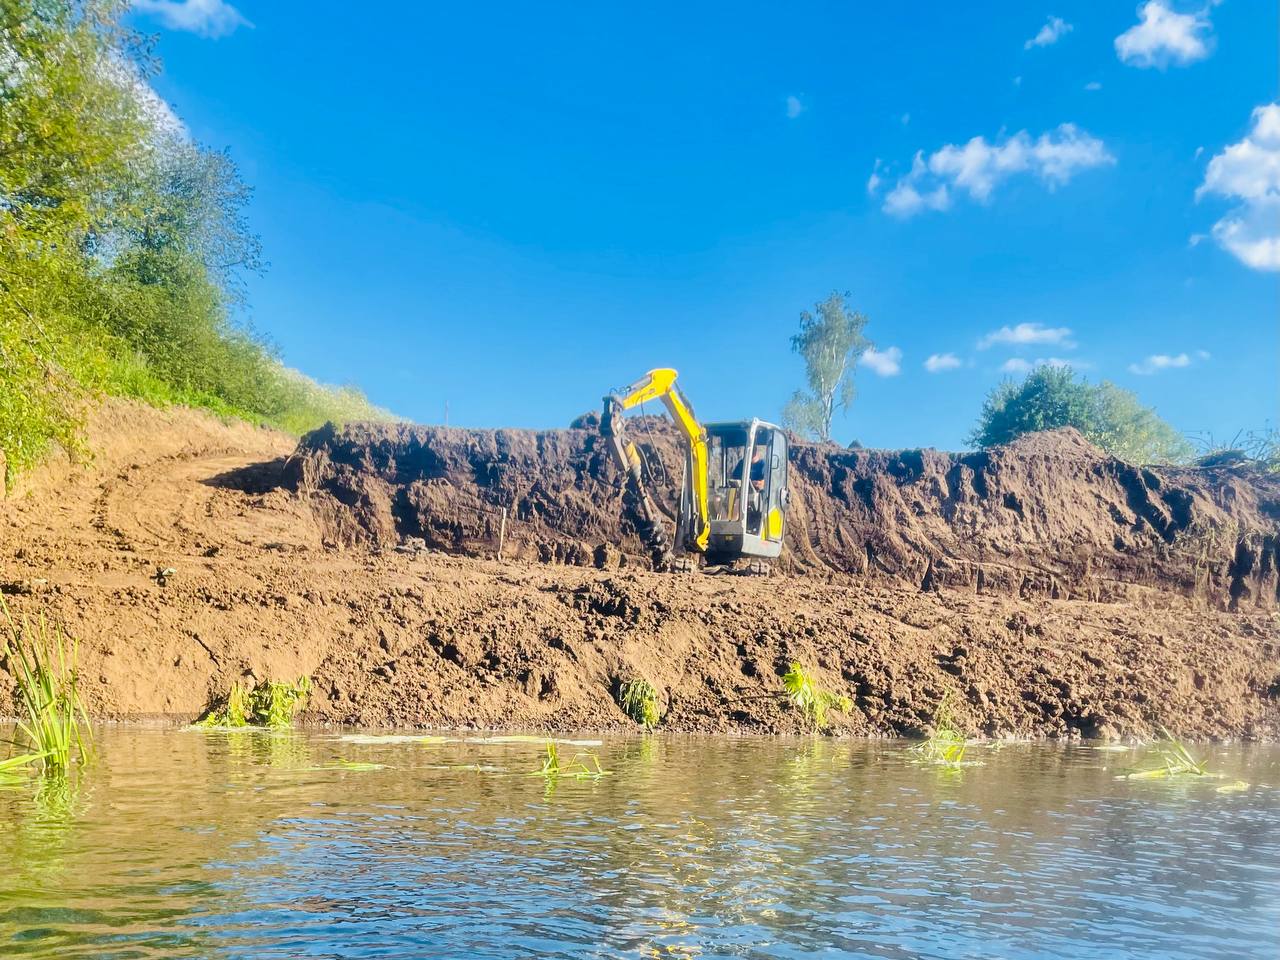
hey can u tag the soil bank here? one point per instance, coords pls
(1050, 590)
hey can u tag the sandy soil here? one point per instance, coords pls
(272, 578)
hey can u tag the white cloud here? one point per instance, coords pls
(884, 363)
(904, 200)
(978, 167)
(794, 107)
(939, 362)
(1249, 172)
(873, 182)
(906, 118)
(1093, 86)
(1018, 365)
(1163, 361)
(208, 18)
(1053, 31)
(1162, 36)
(1252, 234)
(1027, 333)
(1249, 169)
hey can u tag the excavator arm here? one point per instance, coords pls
(660, 384)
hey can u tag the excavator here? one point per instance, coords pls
(733, 499)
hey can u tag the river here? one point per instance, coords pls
(313, 844)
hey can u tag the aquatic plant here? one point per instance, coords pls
(639, 701)
(269, 703)
(11, 765)
(42, 659)
(343, 764)
(813, 701)
(1176, 761)
(947, 744)
(581, 766)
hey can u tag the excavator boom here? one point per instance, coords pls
(660, 384)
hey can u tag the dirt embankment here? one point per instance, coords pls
(273, 582)
(1048, 516)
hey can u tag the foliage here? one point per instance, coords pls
(947, 744)
(1051, 397)
(830, 341)
(42, 659)
(1175, 761)
(269, 703)
(342, 764)
(123, 246)
(639, 701)
(1257, 447)
(581, 766)
(810, 699)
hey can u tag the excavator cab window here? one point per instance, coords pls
(726, 456)
(759, 480)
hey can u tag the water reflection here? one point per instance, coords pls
(182, 844)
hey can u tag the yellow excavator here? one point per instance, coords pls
(734, 496)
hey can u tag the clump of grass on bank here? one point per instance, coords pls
(269, 703)
(52, 719)
(810, 699)
(947, 744)
(639, 700)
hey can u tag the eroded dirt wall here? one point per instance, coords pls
(1047, 516)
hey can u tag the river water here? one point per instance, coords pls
(255, 845)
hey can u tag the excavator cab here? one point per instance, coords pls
(746, 490)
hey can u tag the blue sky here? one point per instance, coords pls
(513, 207)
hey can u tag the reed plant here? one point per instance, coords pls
(52, 719)
(812, 700)
(269, 703)
(1175, 761)
(947, 744)
(581, 766)
(639, 701)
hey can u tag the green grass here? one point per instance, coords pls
(810, 699)
(1175, 761)
(639, 701)
(270, 703)
(947, 745)
(52, 718)
(581, 766)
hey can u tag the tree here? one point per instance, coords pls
(123, 246)
(830, 341)
(68, 131)
(1051, 397)
(185, 204)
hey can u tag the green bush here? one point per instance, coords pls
(123, 248)
(1052, 397)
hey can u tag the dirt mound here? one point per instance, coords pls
(262, 588)
(1047, 516)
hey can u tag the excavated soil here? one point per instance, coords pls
(913, 575)
(1048, 516)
